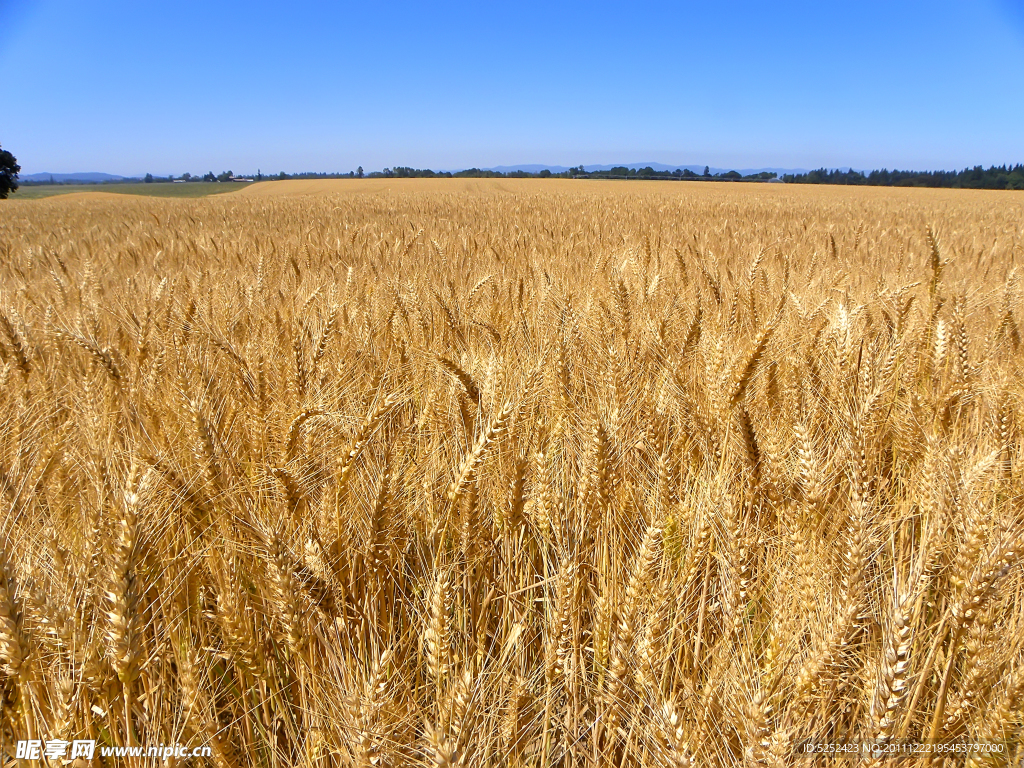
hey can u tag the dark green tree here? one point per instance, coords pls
(359, 172)
(9, 170)
(707, 171)
(149, 178)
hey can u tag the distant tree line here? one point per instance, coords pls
(577, 172)
(149, 178)
(996, 177)
(621, 172)
(404, 172)
(401, 172)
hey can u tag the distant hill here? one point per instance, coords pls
(527, 168)
(65, 177)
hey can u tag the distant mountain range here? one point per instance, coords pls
(66, 177)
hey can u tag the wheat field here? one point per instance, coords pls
(513, 473)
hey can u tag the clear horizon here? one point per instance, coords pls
(127, 89)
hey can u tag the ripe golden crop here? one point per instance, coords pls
(512, 473)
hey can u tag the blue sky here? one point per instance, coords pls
(131, 87)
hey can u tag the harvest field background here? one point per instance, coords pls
(154, 189)
(512, 472)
